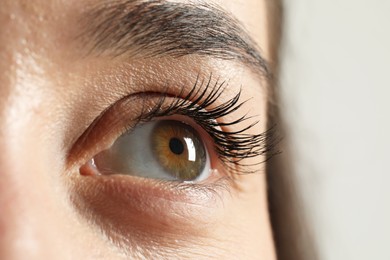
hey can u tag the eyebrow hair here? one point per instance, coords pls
(159, 28)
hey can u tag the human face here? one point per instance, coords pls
(84, 82)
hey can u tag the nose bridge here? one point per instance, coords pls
(16, 80)
(17, 196)
(20, 169)
(19, 71)
(24, 182)
(15, 33)
(17, 232)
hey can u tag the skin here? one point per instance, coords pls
(50, 93)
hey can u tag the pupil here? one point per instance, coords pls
(176, 146)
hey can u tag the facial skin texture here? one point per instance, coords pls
(53, 86)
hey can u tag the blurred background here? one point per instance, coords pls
(335, 91)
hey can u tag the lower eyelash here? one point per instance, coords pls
(231, 146)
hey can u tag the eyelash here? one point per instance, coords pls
(232, 147)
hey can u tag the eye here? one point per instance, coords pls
(163, 149)
(186, 137)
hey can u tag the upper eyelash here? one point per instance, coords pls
(231, 146)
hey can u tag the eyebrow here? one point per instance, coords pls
(160, 28)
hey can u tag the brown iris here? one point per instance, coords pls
(179, 149)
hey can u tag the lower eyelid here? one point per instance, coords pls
(146, 206)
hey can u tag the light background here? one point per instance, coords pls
(335, 84)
